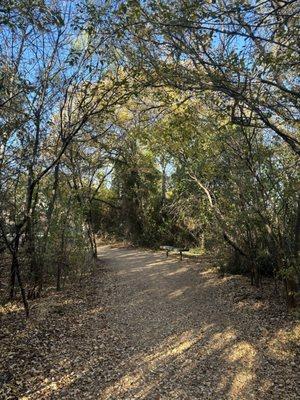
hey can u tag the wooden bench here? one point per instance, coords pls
(175, 249)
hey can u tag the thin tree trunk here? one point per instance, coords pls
(34, 272)
(12, 291)
(163, 183)
(23, 294)
(49, 220)
(293, 280)
(58, 276)
(17, 275)
(62, 257)
(60, 261)
(91, 234)
(297, 236)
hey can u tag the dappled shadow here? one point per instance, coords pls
(165, 329)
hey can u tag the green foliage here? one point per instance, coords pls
(152, 122)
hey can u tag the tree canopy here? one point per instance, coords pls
(159, 122)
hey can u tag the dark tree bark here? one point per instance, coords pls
(293, 280)
(49, 220)
(16, 275)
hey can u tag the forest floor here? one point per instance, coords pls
(147, 327)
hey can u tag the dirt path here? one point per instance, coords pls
(155, 328)
(184, 333)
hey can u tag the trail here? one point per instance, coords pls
(152, 328)
(185, 333)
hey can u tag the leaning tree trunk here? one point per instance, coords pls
(16, 275)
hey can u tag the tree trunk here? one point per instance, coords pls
(163, 183)
(15, 274)
(60, 261)
(91, 234)
(23, 294)
(62, 255)
(202, 242)
(220, 218)
(58, 276)
(297, 237)
(12, 291)
(31, 251)
(49, 220)
(293, 280)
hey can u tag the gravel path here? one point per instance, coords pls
(151, 328)
(184, 333)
